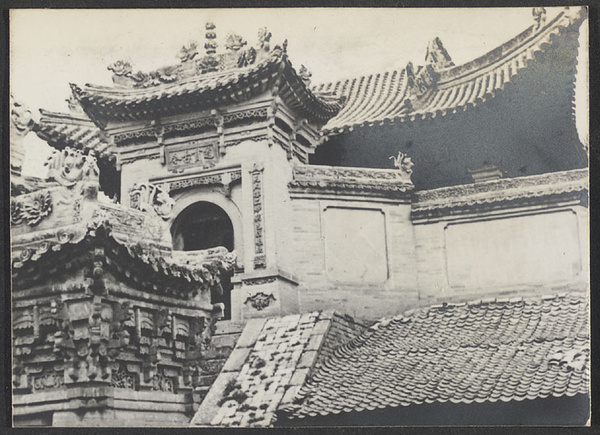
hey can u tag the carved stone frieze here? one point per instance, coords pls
(190, 125)
(245, 114)
(148, 133)
(162, 383)
(259, 301)
(237, 141)
(505, 189)
(256, 174)
(260, 281)
(222, 178)
(350, 180)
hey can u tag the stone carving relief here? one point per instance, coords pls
(121, 378)
(260, 300)
(148, 197)
(260, 261)
(162, 383)
(48, 381)
(189, 125)
(30, 208)
(404, 164)
(70, 166)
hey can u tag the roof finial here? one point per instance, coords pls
(405, 164)
(437, 54)
(539, 16)
(188, 52)
(305, 75)
(210, 45)
(234, 42)
(209, 62)
(264, 37)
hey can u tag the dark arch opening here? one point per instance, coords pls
(203, 225)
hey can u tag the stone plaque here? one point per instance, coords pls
(355, 245)
(193, 155)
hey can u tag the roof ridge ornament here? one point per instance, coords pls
(437, 55)
(539, 16)
(405, 164)
(21, 123)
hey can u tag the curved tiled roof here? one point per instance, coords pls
(76, 131)
(431, 91)
(208, 91)
(487, 351)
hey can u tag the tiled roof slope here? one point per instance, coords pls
(436, 90)
(270, 362)
(76, 131)
(472, 352)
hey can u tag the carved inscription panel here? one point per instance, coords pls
(193, 155)
(355, 245)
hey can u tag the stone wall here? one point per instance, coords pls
(489, 255)
(354, 257)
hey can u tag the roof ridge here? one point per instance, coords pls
(509, 47)
(384, 321)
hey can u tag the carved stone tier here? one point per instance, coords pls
(566, 186)
(351, 181)
(108, 320)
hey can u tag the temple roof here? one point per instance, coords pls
(77, 131)
(208, 90)
(483, 351)
(302, 366)
(439, 87)
(153, 268)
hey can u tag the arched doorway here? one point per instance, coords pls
(204, 225)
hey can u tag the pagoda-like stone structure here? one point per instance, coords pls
(109, 323)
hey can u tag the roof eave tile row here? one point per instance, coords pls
(209, 90)
(62, 130)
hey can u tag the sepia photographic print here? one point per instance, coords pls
(299, 217)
